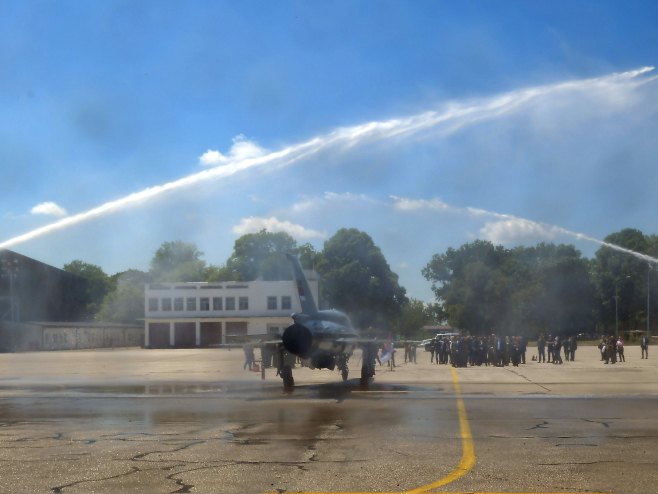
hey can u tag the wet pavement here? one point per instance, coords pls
(195, 421)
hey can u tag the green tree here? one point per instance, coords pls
(621, 280)
(177, 261)
(261, 255)
(566, 301)
(97, 285)
(308, 256)
(125, 304)
(483, 288)
(413, 316)
(357, 279)
(218, 273)
(469, 283)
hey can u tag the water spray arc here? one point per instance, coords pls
(444, 122)
(545, 230)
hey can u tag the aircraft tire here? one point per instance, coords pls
(286, 375)
(366, 374)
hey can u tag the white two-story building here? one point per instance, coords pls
(180, 315)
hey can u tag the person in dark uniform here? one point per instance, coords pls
(515, 351)
(412, 353)
(523, 346)
(550, 343)
(557, 348)
(611, 350)
(573, 345)
(644, 345)
(541, 348)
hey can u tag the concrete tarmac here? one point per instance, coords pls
(196, 421)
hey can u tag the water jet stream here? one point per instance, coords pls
(406, 204)
(453, 118)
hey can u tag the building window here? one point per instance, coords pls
(204, 303)
(191, 303)
(230, 303)
(153, 304)
(166, 304)
(178, 303)
(271, 303)
(244, 303)
(286, 302)
(217, 303)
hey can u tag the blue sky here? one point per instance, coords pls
(426, 124)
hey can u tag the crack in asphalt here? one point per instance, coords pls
(60, 488)
(516, 373)
(604, 424)
(541, 425)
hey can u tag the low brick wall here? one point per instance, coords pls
(25, 337)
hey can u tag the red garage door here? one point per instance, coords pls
(158, 335)
(211, 333)
(236, 332)
(185, 335)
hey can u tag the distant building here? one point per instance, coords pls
(43, 307)
(33, 291)
(184, 315)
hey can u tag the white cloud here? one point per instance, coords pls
(517, 230)
(49, 209)
(241, 149)
(254, 224)
(211, 157)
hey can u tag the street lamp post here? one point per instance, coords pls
(648, 297)
(617, 305)
(616, 310)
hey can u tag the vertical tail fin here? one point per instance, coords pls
(305, 296)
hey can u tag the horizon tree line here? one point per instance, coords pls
(479, 287)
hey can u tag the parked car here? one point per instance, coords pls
(427, 344)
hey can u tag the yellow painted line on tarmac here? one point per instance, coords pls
(465, 465)
(468, 450)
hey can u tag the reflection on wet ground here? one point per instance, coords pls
(152, 434)
(180, 402)
(238, 388)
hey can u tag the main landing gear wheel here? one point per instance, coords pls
(368, 365)
(286, 375)
(367, 371)
(342, 365)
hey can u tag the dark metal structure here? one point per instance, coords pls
(33, 291)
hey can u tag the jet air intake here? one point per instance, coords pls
(298, 340)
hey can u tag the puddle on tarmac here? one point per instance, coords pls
(253, 412)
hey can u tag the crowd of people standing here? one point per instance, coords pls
(553, 348)
(497, 350)
(612, 348)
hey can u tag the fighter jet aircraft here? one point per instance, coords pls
(323, 339)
